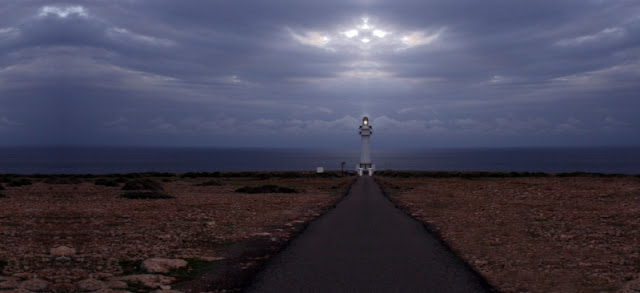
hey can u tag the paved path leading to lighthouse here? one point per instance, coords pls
(366, 244)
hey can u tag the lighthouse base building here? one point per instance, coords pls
(365, 166)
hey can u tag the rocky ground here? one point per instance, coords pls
(70, 234)
(533, 234)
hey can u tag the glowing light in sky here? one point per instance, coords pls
(380, 33)
(365, 36)
(351, 33)
(365, 24)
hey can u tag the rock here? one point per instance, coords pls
(101, 275)
(147, 280)
(89, 285)
(18, 291)
(4, 279)
(22, 275)
(62, 251)
(162, 265)
(634, 285)
(105, 290)
(212, 258)
(116, 285)
(9, 285)
(37, 285)
(481, 262)
(565, 237)
(63, 258)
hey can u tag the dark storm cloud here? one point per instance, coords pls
(293, 73)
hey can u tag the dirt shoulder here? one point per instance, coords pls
(68, 233)
(533, 234)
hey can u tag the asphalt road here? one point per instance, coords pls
(366, 244)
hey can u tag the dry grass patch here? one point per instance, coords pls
(534, 234)
(267, 188)
(146, 195)
(234, 231)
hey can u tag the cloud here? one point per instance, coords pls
(610, 121)
(120, 121)
(493, 126)
(610, 124)
(160, 125)
(344, 124)
(619, 74)
(221, 125)
(265, 122)
(62, 12)
(122, 34)
(311, 127)
(414, 126)
(261, 126)
(421, 38)
(511, 126)
(497, 79)
(566, 127)
(603, 35)
(166, 127)
(572, 125)
(7, 125)
(219, 75)
(314, 39)
(8, 32)
(366, 37)
(6, 122)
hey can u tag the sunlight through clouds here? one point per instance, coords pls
(365, 37)
(380, 33)
(368, 42)
(351, 33)
(365, 24)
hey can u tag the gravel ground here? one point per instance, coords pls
(73, 235)
(550, 234)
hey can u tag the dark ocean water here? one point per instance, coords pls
(97, 160)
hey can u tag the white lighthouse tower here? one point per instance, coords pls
(365, 158)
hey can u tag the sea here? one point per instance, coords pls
(109, 160)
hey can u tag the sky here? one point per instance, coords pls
(302, 74)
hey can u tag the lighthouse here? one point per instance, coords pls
(365, 158)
